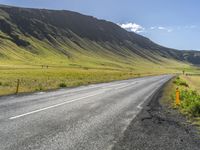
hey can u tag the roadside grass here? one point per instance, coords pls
(180, 82)
(37, 79)
(190, 104)
(194, 82)
(167, 98)
(189, 96)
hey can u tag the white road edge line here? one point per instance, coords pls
(53, 106)
(139, 106)
(126, 86)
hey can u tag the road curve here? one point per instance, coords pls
(88, 117)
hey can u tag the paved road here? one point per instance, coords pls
(89, 117)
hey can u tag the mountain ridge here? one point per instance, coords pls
(67, 33)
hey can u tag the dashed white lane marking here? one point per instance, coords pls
(67, 102)
(125, 86)
(53, 106)
(82, 89)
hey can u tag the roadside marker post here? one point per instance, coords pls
(17, 89)
(177, 97)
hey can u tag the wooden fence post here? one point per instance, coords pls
(17, 89)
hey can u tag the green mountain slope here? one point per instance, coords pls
(65, 38)
(48, 49)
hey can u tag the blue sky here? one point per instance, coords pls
(172, 23)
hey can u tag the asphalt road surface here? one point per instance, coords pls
(88, 117)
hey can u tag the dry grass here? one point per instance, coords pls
(193, 81)
(36, 79)
(168, 90)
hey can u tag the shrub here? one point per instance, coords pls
(6, 84)
(39, 88)
(190, 102)
(183, 83)
(62, 85)
(180, 82)
(195, 109)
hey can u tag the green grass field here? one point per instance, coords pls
(70, 65)
(36, 78)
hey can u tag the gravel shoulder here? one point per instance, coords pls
(159, 127)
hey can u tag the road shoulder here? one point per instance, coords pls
(159, 127)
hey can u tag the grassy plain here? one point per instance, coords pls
(70, 65)
(36, 78)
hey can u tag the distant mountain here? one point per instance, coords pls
(48, 33)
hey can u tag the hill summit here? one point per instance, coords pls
(65, 37)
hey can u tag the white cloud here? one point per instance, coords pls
(187, 27)
(152, 28)
(165, 28)
(190, 27)
(162, 28)
(170, 29)
(132, 27)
